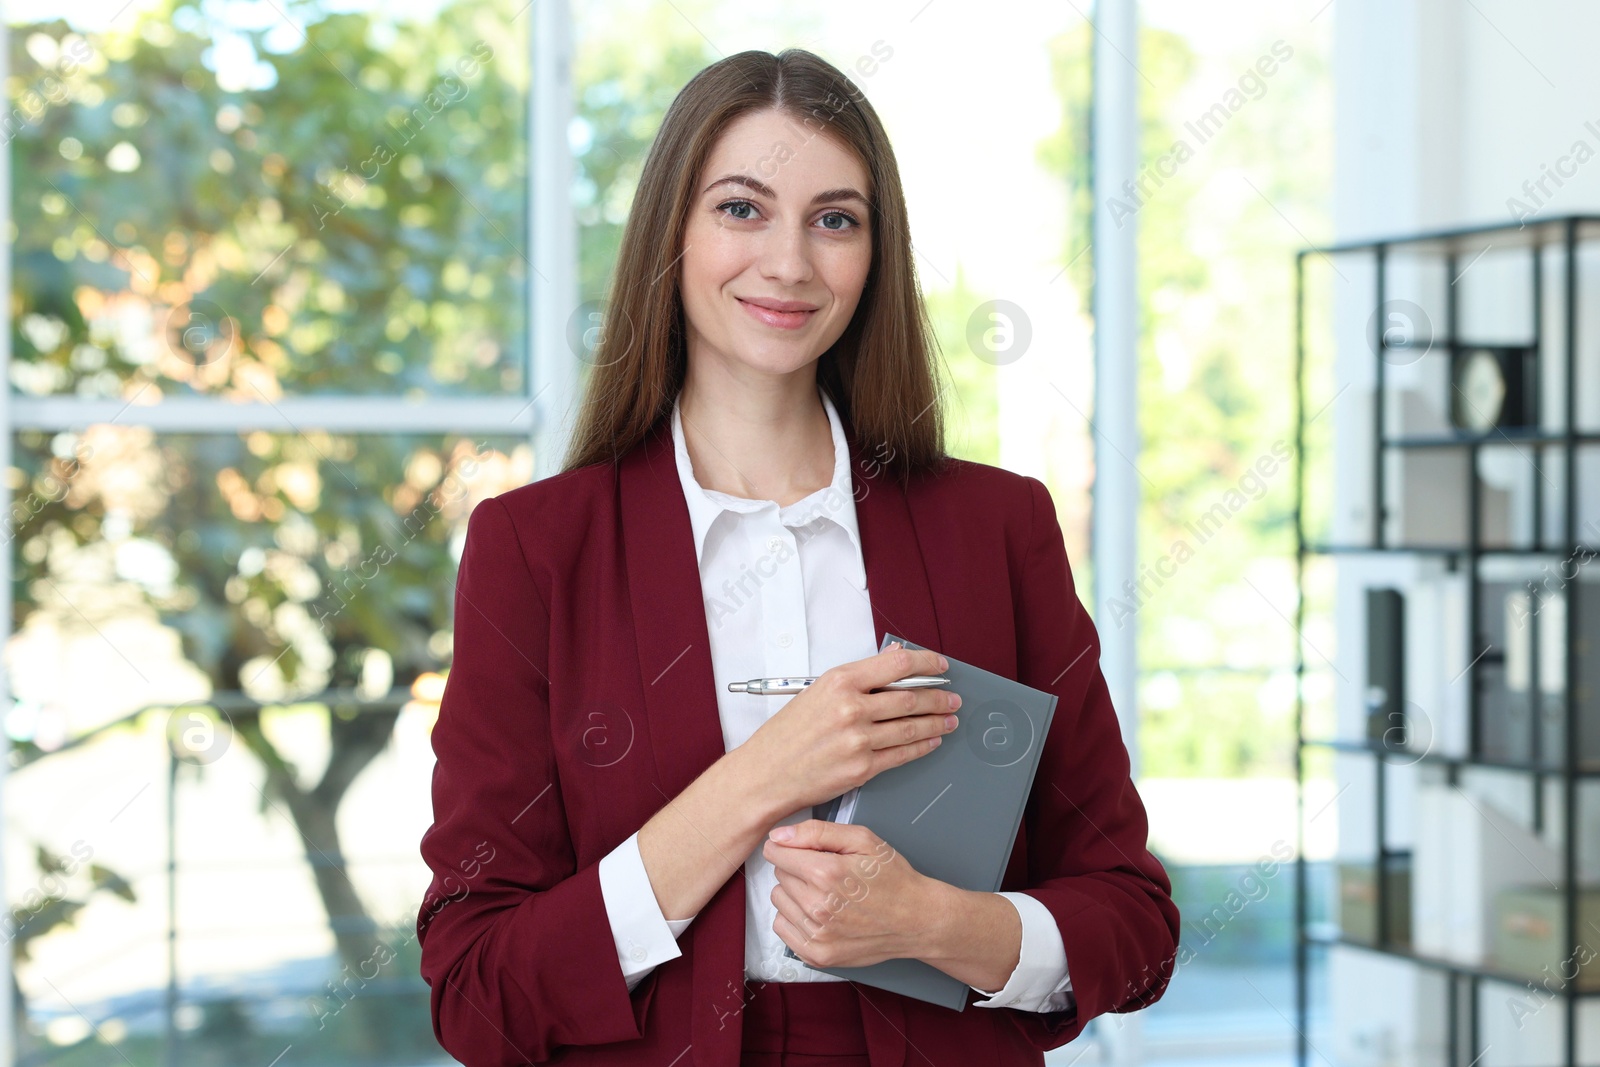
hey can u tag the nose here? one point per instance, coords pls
(786, 255)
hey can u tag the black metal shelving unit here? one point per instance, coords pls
(1559, 239)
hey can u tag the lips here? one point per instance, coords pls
(783, 314)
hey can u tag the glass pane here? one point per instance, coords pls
(258, 198)
(156, 568)
(276, 610)
(258, 936)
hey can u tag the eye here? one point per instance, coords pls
(732, 209)
(737, 204)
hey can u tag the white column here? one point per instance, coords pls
(1116, 351)
(552, 236)
(1116, 415)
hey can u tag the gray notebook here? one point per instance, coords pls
(953, 814)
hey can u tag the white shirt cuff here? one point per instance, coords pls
(1040, 981)
(644, 937)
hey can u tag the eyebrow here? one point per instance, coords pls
(763, 189)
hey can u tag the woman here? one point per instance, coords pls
(622, 849)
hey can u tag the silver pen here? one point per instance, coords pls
(781, 686)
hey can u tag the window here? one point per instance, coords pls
(272, 310)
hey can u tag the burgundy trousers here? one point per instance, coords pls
(803, 1024)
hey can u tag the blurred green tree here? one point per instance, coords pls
(1213, 377)
(66, 884)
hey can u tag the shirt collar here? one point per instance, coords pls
(835, 502)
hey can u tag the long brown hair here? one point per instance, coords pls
(879, 373)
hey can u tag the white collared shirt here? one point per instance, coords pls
(785, 593)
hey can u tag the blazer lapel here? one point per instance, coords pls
(902, 604)
(897, 578)
(680, 695)
(680, 698)
(669, 617)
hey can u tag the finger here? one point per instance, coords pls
(911, 729)
(819, 835)
(795, 939)
(894, 663)
(788, 862)
(790, 910)
(899, 755)
(903, 703)
(799, 866)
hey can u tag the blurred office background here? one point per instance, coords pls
(294, 284)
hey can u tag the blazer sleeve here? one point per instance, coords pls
(515, 942)
(1087, 830)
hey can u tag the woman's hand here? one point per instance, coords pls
(845, 898)
(836, 733)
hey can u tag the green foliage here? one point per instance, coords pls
(352, 226)
(314, 235)
(64, 887)
(971, 398)
(1215, 267)
(620, 102)
(1067, 153)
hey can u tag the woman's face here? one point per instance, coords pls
(780, 219)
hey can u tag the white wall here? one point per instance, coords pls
(1444, 108)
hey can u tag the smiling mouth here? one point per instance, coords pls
(783, 320)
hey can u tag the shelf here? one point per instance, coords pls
(1421, 469)
(1437, 964)
(1504, 437)
(1465, 239)
(1323, 549)
(1362, 748)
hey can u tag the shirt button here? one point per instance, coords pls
(775, 544)
(785, 640)
(637, 953)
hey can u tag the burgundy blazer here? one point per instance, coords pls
(581, 699)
